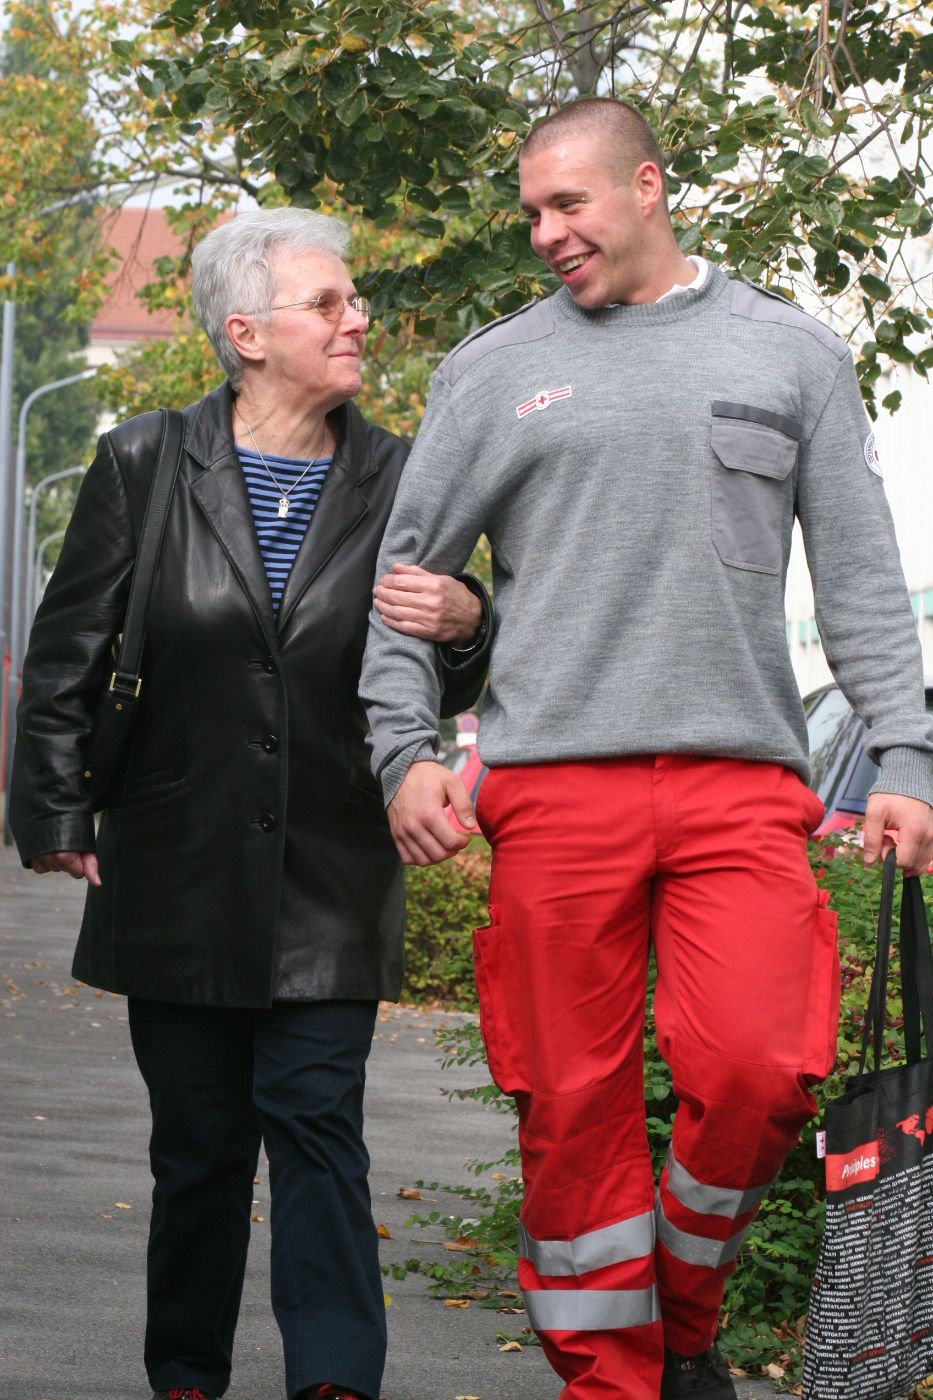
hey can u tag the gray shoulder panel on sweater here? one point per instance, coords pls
(531, 322)
(759, 304)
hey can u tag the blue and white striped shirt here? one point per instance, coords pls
(280, 538)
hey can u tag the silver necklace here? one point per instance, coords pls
(284, 492)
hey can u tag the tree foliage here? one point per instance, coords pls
(49, 334)
(797, 134)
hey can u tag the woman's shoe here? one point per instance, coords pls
(327, 1391)
(185, 1393)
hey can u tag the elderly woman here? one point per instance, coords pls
(243, 888)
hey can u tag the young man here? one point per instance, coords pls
(636, 448)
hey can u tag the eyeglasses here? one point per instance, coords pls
(331, 305)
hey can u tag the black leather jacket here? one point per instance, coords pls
(244, 849)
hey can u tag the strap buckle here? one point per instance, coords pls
(139, 685)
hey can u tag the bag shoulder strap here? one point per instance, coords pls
(126, 679)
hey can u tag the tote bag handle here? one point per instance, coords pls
(916, 970)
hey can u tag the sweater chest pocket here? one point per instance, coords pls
(754, 453)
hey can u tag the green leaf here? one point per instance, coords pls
(909, 215)
(874, 287)
(431, 228)
(350, 111)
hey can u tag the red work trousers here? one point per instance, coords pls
(592, 862)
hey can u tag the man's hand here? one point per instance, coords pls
(80, 865)
(434, 606)
(417, 820)
(910, 820)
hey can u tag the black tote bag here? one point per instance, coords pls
(870, 1323)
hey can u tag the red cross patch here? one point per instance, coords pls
(543, 399)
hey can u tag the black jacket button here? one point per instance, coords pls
(268, 665)
(270, 743)
(267, 821)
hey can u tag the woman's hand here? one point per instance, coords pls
(80, 865)
(434, 606)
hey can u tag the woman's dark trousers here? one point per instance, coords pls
(219, 1081)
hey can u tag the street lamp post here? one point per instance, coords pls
(17, 610)
(6, 435)
(33, 599)
(31, 564)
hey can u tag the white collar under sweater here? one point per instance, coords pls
(680, 288)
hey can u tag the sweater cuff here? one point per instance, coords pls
(907, 772)
(452, 656)
(396, 770)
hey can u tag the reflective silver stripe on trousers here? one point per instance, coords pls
(711, 1200)
(586, 1310)
(613, 1244)
(697, 1249)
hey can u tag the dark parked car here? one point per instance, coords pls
(842, 772)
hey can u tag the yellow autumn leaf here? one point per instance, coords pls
(383, 1232)
(456, 1302)
(352, 43)
(511, 1346)
(123, 1205)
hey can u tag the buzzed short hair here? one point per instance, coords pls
(629, 139)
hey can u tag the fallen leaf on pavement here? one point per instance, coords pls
(511, 1346)
(123, 1205)
(383, 1232)
(773, 1370)
(456, 1302)
(409, 1193)
(257, 1217)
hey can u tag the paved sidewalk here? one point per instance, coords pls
(76, 1190)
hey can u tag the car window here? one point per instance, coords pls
(842, 772)
(826, 734)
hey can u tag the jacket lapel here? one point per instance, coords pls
(220, 491)
(340, 508)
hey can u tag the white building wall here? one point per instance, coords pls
(905, 444)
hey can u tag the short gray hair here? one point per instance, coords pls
(231, 268)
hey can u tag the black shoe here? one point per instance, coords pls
(184, 1393)
(703, 1377)
(328, 1391)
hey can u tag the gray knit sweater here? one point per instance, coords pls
(637, 470)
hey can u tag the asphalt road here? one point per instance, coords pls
(75, 1196)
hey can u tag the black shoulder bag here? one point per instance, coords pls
(117, 708)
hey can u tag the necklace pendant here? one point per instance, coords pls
(283, 507)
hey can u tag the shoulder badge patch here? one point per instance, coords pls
(543, 399)
(872, 455)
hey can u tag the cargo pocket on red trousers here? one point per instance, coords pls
(823, 1000)
(495, 995)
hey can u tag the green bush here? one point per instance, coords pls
(444, 904)
(766, 1299)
